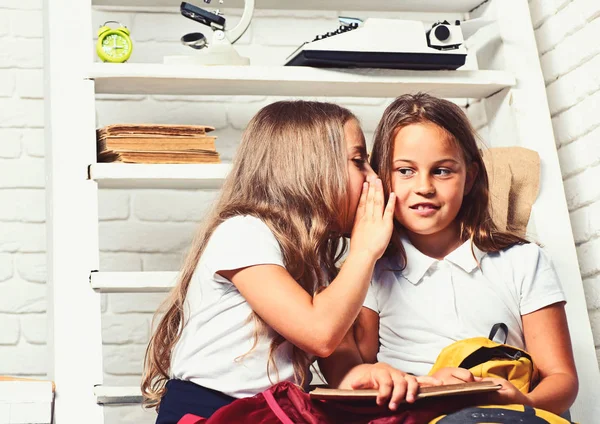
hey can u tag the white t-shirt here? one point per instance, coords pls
(433, 303)
(217, 332)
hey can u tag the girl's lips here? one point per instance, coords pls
(424, 206)
(425, 209)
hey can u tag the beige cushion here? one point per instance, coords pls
(514, 174)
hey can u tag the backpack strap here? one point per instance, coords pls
(484, 354)
(495, 329)
(283, 417)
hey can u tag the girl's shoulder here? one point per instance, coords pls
(523, 255)
(242, 221)
(240, 232)
(241, 225)
(241, 241)
(529, 249)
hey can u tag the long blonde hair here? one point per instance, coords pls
(291, 172)
(474, 217)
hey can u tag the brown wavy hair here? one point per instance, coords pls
(291, 172)
(474, 216)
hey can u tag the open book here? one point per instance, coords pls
(424, 392)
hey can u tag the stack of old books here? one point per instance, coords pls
(149, 143)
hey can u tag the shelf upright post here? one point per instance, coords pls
(73, 315)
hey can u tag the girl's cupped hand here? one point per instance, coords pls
(373, 224)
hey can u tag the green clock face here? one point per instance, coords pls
(115, 46)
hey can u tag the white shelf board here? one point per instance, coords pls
(182, 176)
(117, 395)
(292, 81)
(348, 5)
(26, 401)
(133, 282)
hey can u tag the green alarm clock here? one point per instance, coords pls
(114, 44)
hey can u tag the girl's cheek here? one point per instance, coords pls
(398, 212)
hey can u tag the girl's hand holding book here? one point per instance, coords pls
(508, 393)
(392, 384)
(453, 375)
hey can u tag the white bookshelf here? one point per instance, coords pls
(178, 176)
(292, 81)
(513, 97)
(353, 5)
(132, 282)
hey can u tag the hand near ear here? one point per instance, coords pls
(373, 223)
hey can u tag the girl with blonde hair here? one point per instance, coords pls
(260, 294)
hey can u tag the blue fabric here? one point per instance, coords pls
(185, 397)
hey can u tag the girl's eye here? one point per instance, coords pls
(444, 172)
(407, 172)
(360, 162)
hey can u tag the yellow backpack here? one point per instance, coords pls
(486, 358)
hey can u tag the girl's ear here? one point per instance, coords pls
(472, 173)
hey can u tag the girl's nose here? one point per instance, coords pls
(424, 187)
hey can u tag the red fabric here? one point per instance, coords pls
(191, 419)
(280, 413)
(285, 403)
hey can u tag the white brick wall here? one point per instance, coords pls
(566, 31)
(149, 229)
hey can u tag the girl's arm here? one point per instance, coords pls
(548, 341)
(360, 345)
(317, 324)
(344, 360)
(366, 334)
(352, 365)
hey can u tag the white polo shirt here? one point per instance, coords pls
(217, 332)
(433, 303)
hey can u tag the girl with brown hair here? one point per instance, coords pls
(260, 293)
(449, 273)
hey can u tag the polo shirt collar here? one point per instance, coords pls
(464, 258)
(417, 264)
